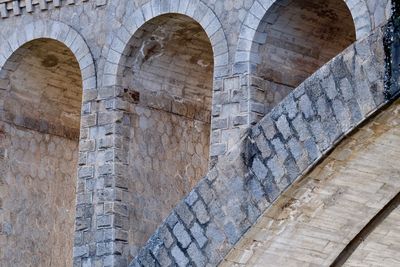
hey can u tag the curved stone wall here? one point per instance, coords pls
(287, 143)
(314, 220)
(381, 246)
(308, 122)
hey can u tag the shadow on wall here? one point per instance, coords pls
(41, 94)
(167, 77)
(293, 40)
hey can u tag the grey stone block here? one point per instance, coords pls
(283, 127)
(295, 148)
(292, 169)
(198, 234)
(166, 236)
(319, 134)
(205, 192)
(180, 258)
(329, 86)
(346, 89)
(268, 127)
(264, 146)
(301, 128)
(182, 235)
(256, 189)
(231, 232)
(342, 115)
(290, 107)
(184, 213)
(163, 257)
(306, 107)
(191, 198)
(201, 212)
(280, 149)
(196, 255)
(312, 150)
(172, 219)
(259, 169)
(276, 168)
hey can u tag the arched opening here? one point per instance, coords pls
(41, 94)
(167, 78)
(293, 40)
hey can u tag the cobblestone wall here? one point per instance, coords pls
(40, 117)
(97, 32)
(167, 77)
(37, 198)
(167, 157)
(292, 138)
(312, 222)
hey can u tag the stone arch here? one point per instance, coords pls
(243, 57)
(292, 40)
(133, 20)
(41, 103)
(257, 176)
(166, 72)
(57, 31)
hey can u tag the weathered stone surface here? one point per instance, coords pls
(201, 213)
(310, 223)
(37, 199)
(181, 235)
(381, 246)
(288, 160)
(154, 88)
(180, 258)
(198, 234)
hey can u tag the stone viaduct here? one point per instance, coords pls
(199, 133)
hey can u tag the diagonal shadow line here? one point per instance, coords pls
(366, 231)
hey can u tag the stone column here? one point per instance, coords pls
(101, 213)
(230, 113)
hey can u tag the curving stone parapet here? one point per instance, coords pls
(280, 149)
(248, 174)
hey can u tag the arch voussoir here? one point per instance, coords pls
(133, 20)
(56, 31)
(358, 10)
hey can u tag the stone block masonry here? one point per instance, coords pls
(37, 187)
(312, 222)
(166, 83)
(17, 8)
(282, 147)
(40, 118)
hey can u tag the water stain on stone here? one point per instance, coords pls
(50, 61)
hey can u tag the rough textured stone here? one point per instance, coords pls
(201, 213)
(39, 162)
(198, 234)
(357, 180)
(181, 235)
(154, 88)
(180, 258)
